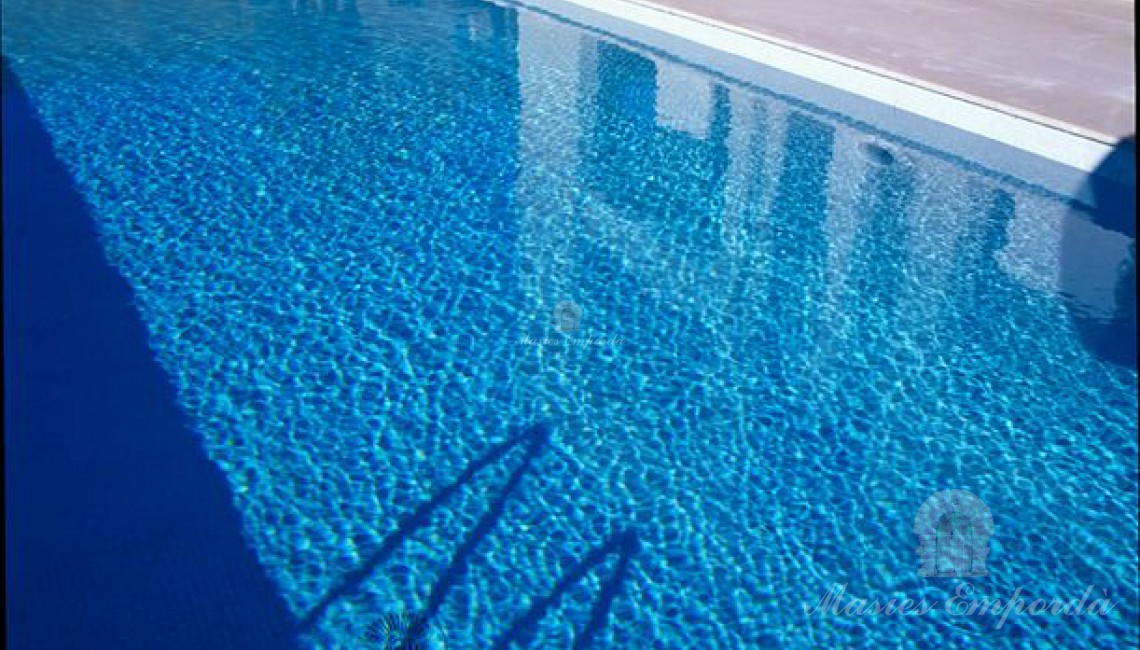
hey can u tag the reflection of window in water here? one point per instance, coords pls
(489, 24)
(685, 99)
(640, 159)
(954, 544)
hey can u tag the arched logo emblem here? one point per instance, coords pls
(954, 529)
(567, 316)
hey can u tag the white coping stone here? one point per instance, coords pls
(1052, 155)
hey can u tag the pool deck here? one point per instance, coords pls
(1068, 61)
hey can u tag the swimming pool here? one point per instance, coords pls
(557, 340)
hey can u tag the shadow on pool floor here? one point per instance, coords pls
(120, 532)
(624, 544)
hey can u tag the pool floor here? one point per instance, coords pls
(324, 321)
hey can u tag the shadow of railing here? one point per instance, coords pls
(625, 544)
(533, 438)
(1104, 317)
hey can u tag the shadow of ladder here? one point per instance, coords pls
(625, 544)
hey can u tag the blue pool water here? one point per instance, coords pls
(348, 232)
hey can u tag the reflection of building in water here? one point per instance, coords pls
(748, 212)
(550, 128)
(1042, 230)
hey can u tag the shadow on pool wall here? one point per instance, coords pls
(120, 531)
(1106, 325)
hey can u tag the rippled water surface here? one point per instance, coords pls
(350, 229)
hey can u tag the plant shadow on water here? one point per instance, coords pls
(1110, 334)
(624, 543)
(120, 531)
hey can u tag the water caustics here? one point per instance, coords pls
(349, 227)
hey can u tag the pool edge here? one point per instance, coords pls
(1071, 146)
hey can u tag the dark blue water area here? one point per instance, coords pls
(1113, 339)
(120, 533)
